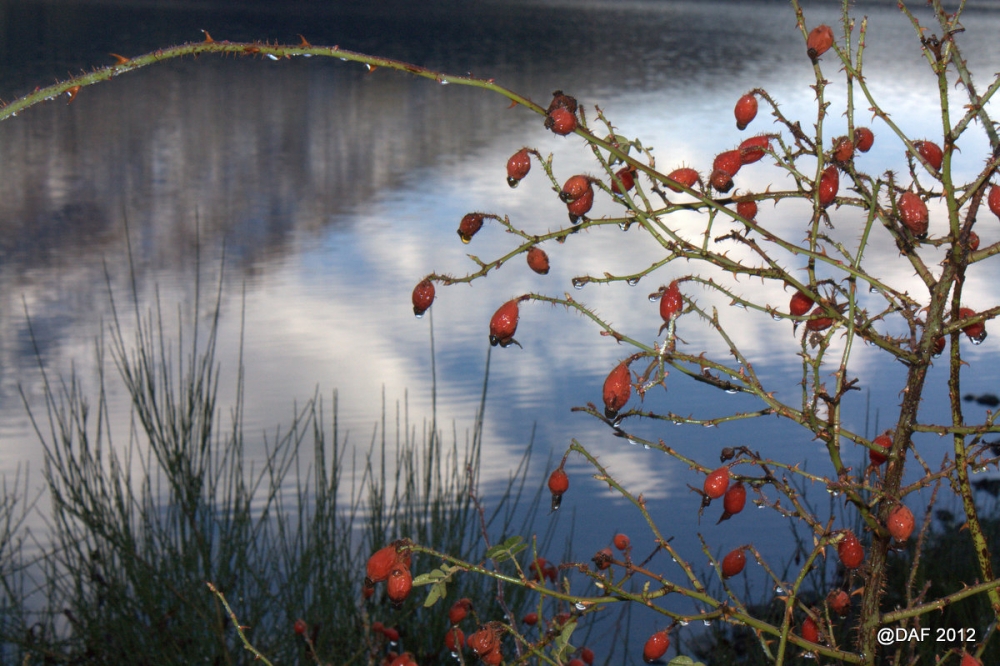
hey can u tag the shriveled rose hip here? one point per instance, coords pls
(819, 41)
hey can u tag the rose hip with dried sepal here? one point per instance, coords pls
(538, 261)
(470, 226)
(724, 167)
(819, 41)
(617, 389)
(422, 297)
(518, 167)
(745, 110)
(558, 485)
(560, 117)
(578, 195)
(503, 325)
(602, 560)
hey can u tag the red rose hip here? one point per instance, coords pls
(900, 522)
(622, 542)
(538, 261)
(717, 482)
(752, 149)
(883, 442)
(993, 199)
(745, 111)
(863, 139)
(655, 647)
(688, 178)
(503, 325)
(733, 563)
(561, 121)
(518, 167)
(671, 302)
(913, 213)
(470, 226)
(839, 602)
(850, 551)
(931, 153)
(617, 390)
(810, 631)
(558, 485)
(829, 185)
(747, 208)
(819, 41)
(399, 584)
(627, 178)
(422, 297)
(800, 304)
(975, 332)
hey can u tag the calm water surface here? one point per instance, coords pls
(334, 191)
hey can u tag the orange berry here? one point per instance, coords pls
(819, 41)
(622, 542)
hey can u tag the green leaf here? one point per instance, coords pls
(684, 661)
(437, 591)
(562, 646)
(506, 550)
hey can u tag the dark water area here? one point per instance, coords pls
(334, 190)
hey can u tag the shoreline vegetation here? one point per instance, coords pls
(140, 521)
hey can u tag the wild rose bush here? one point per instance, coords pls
(839, 298)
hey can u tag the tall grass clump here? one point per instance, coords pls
(141, 521)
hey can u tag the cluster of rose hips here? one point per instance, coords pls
(391, 565)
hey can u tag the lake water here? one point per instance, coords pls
(334, 191)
